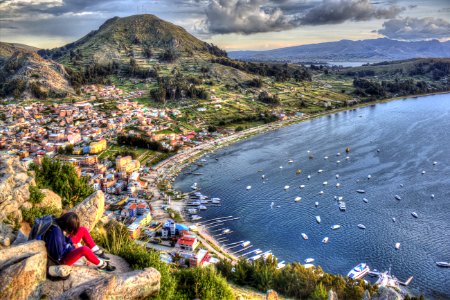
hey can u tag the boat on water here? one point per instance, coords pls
(325, 240)
(443, 264)
(309, 176)
(434, 163)
(359, 271)
(202, 207)
(302, 186)
(369, 176)
(308, 266)
(263, 176)
(194, 186)
(286, 187)
(394, 219)
(299, 171)
(414, 214)
(225, 231)
(305, 237)
(290, 161)
(192, 211)
(342, 206)
(245, 244)
(321, 193)
(249, 187)
(325, 157)
(281, 265)
(309, 260)
(196, 217)
(194, 203)
(316, 204)
(318, 219)
(337, 176)
(325, 182)
(361, 226)
(432, 196)
(398, 197)
(215, 200)
(423, 172)
(397, 246)
(338, 184)
(272, 204)
(360, 191)
(334, 227)
(365, 200)
(198, 174)
(298, 199)
(320, 171)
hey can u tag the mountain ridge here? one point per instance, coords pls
(372, 50)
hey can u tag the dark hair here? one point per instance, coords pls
(69, 222)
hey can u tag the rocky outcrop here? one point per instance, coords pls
(132, 285)
(50, 199)
(332, 295)
(14, 187)
(22, 271)
(271, 295)
(7, 235)
(385, 293)
(91, 209)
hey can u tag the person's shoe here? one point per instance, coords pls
(101, 254)
(106, 267)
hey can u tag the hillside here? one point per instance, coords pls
(374, 50)
(24, 74)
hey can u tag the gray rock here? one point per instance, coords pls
(91, 209)
(50, 199)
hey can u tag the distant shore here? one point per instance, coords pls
(172, 166)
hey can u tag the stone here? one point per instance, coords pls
(81, 275)
(271, 295)
(14, 187)
(22, 234)
(23, 270)
(385, 293)
(139, 284)
(51, 199)
(6, 235)
(332, 295)
(91, 209)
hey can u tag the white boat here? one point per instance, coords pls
(325, 240)
(192, 211)
(334, 227)
(194, 186)
(397, 246)
(307, 266)
(316, 204)
(318, 219)
(325, 182)
(298, 199)
(320, 171)
(249, 187)
(281, 167)
(202, 207)
(360, 191)
(359, 271)
(305, 237)
(215, 200)
(414, 214)
(398, 197)
(347, 157)
(338, 184)
(393, 220)
(337, 176)
(340, 198)
(434, 163)
(263, 176)
(281, 265)
(245, 244)
(432, 196)
(423, 172)
(290, 161)
(309, 260)
(342, 206)
(338, 161)
(321, 193)
(195, 217)
(443, 264)
(286, 187)
(309, 176)
(365, 200)
(361, 226)
(338, 154)
(369, 176)
(302, 186)
(225, 231)
(272, 204)
(326, 157)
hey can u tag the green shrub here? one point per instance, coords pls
(36, 195)
(62, 179)
(29, 215)
(175, 215)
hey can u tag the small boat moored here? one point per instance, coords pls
(361, 226)
(359, 271)
(334, 227)
(249, 187)
(318, 219)
(309, 260)
(414, 214)
(398, 197)
(360, 191)
(305, 237)
(443, 264)
(298, 199)
(325, 240)
(397, 246)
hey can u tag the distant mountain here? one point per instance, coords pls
(375, 50)
(24, 74)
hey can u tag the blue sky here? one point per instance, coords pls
(233, 24)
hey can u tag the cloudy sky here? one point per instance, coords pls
(233, 24)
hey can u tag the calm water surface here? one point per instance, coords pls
(411, 134)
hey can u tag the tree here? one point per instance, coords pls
(320, 293)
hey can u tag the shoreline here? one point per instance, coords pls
(170, 168)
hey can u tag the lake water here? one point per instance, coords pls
(411, 134)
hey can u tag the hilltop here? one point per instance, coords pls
(24, 74)
(374, 50)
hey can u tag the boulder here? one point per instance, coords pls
(6, 235)
(332, 295)
(271, 295)
(385, 293)
(23, 270)
(131, 285)
(51, 199)
(91, 209)
(14, 187)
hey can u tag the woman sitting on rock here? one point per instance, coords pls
(61, 247)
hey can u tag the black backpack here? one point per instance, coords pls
(41, 226)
